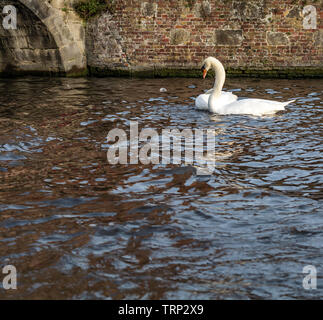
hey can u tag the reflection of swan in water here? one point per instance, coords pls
(218, 101)
(213, 156)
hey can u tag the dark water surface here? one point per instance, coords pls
(76, 226)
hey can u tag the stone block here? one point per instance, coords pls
(204, 9)
(318, 38)
(179, 36)
(277, 38)
(228, 37)
(149, 9)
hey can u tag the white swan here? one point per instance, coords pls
(218, 101)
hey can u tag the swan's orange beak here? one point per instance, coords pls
(204, 73)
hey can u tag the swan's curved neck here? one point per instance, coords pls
(218, 85)
(219, 77)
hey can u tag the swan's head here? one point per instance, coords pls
(207, 65)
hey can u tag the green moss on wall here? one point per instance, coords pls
(87, 9)
(289, 73)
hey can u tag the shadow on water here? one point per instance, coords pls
(77, 227)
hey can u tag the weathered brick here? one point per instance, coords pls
(241, 33)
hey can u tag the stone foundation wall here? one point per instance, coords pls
(49, 38)
(29, 48)
(167, 37)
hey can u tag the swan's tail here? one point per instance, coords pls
(278, 106)
(288, 102)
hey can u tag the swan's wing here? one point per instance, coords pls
(253, 106)
(229, 95)
(225, 93)
(202, 102)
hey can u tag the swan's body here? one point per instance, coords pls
(218, 101)
(202, 101)
(256, 107)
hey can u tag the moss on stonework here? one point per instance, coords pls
(76, 73)
(105, 72)
(190, 4)
(87, 9)
(289, 73)
(22, 73)
(185, 73)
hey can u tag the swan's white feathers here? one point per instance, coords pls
(202, 100)
(255, 107)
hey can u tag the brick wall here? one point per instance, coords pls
(164, 37)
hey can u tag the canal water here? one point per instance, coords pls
(78, 227)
